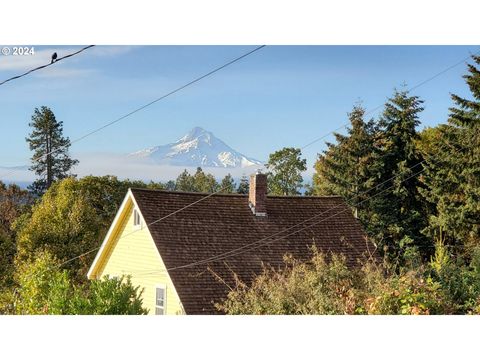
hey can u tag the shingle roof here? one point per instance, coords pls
(222, 223)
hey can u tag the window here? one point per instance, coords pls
(160, 300)
(136, 218)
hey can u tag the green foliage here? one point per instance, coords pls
(185, 182)
(346, 167)
(109, 297)
(452, 177)
(72, 218)
(13, 203)
(205, 183)
(315, 287)
(398, 212)
(328, 286)
(199, 182)
(243, 185)
(65, 222)
(45, 289)
(227, 185)
(8, 251)
(50, 160)
(285, 167)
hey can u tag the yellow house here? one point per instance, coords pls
(186, 250)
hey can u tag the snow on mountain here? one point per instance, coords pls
(197, 148)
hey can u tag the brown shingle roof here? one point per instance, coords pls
(222, 223)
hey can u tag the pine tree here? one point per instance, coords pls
(243, 186)
(285, 171)
(452, 176)
(185, 182)
(204, 182)
(345, 168)
(228, 184)
(50, 160)
(398, 215)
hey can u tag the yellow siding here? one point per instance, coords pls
(137, 255)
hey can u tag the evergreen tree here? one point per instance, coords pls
(50, 159)
(204, 182)
(185, 182)
(398, 215)
(243, 186)
(285, 171)
(345, 168)
(228, 184)
(452, 176)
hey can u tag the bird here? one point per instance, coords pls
(54, 57)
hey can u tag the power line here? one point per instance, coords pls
(147, 105)
(380, 106)
(262, 242)
(235, 251)
(214, 258)
(47, 65)
(187, 206)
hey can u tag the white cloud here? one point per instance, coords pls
(125, 167)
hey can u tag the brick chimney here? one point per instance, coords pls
(257, 197)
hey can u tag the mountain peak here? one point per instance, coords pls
(198, 147)
(195, 133)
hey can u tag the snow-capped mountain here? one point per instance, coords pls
(197, 148)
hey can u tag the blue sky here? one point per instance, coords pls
(279, 96)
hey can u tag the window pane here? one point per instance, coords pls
(160, 297)
(158, 311)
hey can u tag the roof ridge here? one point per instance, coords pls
(235, 194)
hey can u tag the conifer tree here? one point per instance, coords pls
(50, 160)
(204, 182)
(452, 175)
(243, 185)
(185, 182)
(398, 215)
(228, 184)
(345, 168)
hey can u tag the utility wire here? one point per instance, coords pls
(47, 65)
(234, 252)
(262, 242)
(380, 106)
(147, 105)
(316, 140)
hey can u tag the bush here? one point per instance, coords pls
(319, 286)
(45, 289)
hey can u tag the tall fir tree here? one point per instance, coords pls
(204, 182)
(227, 185)
(185, 182)
(452, 176)
(397, 212)
(345, 168)
(243, 185)
(50, 160)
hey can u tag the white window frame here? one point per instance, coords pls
(164, 308)
(136, 215)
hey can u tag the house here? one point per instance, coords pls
(185, 260)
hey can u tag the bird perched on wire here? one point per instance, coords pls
(54, 57)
